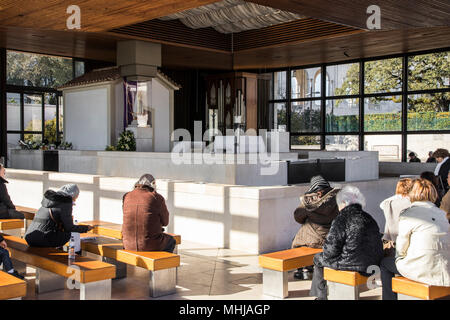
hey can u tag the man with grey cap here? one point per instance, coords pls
(144, 216)
(315, 213)
(53, 223)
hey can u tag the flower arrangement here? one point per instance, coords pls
(127, 142)
(38, 145)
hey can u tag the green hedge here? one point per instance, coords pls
(389, 122)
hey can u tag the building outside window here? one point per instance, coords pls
(388, 104)
(34, 106)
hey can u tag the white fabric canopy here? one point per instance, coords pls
(231, 16)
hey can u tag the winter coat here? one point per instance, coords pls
(43, 231)
(422, 250)
(354, 241)
(392, 207)
(315, 215)
(445, 205)
(443, 174)
(144, 215)
(5, 200)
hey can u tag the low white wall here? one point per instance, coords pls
(359, 165)
(405, 168)
(251, 219)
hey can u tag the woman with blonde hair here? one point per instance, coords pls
(392, 207)
(422, 246)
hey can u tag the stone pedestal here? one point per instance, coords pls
(144, 138)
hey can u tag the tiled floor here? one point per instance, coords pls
(205, 273)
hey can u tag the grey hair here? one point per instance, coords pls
(350, 195)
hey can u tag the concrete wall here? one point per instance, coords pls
(252, 219)
(82, 111)
(160, 102)
(359, 165)
(405, 168)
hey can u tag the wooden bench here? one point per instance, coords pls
(161, 265)
(344, 285)
(412, 290)
(114, 230)
(12, 227)
(277, 264)
(11, 288)
(52, 270)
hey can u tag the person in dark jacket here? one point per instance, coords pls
(413, 157)
(144, 216)
(428, 175)
(317, 210)
(442, 157)
(431, 159)
(5, 260)
(53, 223)
(7, 208)
(353, 243)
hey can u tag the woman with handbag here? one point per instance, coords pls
(53, 223)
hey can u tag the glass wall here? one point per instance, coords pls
(385, 104)
(34, 106)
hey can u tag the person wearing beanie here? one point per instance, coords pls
(144, 216)
(315, 213)
(7, 208)
(53, 223)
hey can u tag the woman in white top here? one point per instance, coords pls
(422, 245)
(393, 206)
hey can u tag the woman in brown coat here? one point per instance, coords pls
(144, 216)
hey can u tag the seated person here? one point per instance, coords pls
(353, 243)
(315, 213)
(7, 208)
(392, 207)
(435, 181)
(422, 243)
(445, 203)
(6, 261)
(144, 215)
(53, 223)
(413, 157)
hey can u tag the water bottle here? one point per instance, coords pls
(72, 248)
(77, 240)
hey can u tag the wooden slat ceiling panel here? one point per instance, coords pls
(360, 45)
(395, 14)
(96, 15)
(176, 32)
(300, 30)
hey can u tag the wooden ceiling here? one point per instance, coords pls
(342, 48)
(96, 15)
(395, 14)
(306, 41)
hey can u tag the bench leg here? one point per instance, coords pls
(48, 281)
(340, 291)
(162, 282)
(275, 283)
(405, 297)
(98, 290)
(121, 268)
(19, 266)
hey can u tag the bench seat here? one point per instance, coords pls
(344, 285)
(92, 276)
(161, 265)
(277, 264)
(12, 227)
(11, 287)
(114, 230)
(408, 289)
